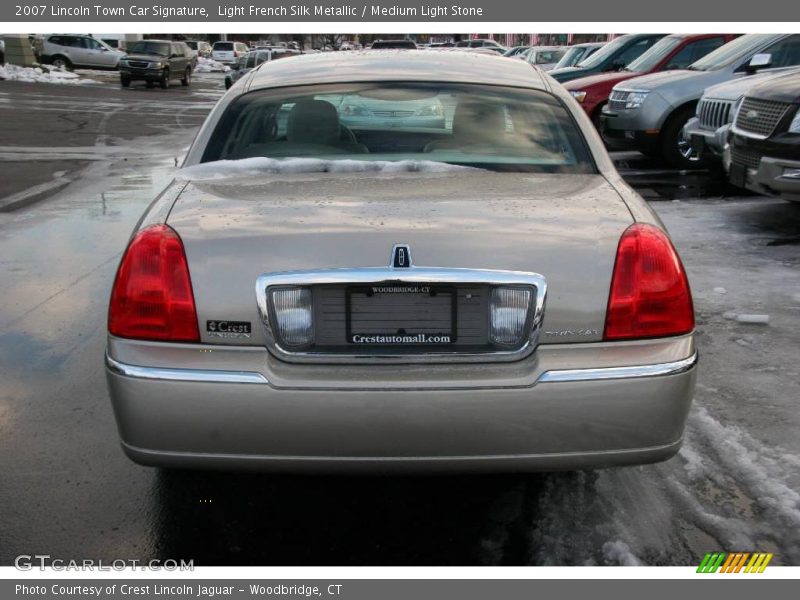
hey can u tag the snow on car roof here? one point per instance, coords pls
(397, 65)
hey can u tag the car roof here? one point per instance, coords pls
(398, 65)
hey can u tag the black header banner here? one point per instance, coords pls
(379, 11)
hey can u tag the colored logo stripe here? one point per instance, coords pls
(734, 562)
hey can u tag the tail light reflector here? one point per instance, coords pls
(650, 295)
(152, 297)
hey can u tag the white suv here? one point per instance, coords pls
(69, 51)
(228, 52)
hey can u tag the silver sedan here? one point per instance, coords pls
(483, 293)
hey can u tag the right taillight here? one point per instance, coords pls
(650, 295)
(152, 297)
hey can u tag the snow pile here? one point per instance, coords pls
(619, 553)
(207, 65)
(262, 165)
(43, 74)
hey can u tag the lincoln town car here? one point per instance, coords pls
(458, 281)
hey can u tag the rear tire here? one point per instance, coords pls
(61, 62)
(187, 77)
(164, 81)
(676, 150)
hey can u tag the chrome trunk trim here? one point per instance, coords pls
(670, 368)
(387, 276)
(252, 377)
(193, 375)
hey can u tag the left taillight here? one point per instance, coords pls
(152, 296)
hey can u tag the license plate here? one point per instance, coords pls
(738, 175)
(390, 314)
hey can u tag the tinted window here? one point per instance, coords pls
(149, 47)
(633, 52)
(223, 46)
(731, 52)
(489, 127)
(605, 52)
(694, 51)
(785, 53)
(71, 41)
(650, 59)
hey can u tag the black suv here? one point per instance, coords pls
(157, 61)
(765, 139)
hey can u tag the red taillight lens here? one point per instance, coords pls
(152, 297)
(650, 295)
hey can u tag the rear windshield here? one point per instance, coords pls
(497, 128)
(224, 46)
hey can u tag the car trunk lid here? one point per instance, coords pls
(564, 227)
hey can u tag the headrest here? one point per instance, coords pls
(313, 122)
(479, 120)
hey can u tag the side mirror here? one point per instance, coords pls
(616, 65)
(759, 61)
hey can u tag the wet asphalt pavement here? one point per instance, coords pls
(67, 490)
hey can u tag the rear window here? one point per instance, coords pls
(223, 46)
(502, 129)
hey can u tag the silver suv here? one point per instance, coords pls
(649, 113)
(70, 51)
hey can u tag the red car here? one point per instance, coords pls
(675, 51)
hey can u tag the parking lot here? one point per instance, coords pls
(80, 164)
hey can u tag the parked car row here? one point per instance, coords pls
(676, 51)
(692, 100)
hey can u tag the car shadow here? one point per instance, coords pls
(255, 519)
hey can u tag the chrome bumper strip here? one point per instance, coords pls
(251, 377)
(670, 368)
(193, 375)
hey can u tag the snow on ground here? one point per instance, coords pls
(43, 74)
(724, 490)
(261, 165)
(207, 65)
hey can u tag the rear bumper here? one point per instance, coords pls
(562, 419)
